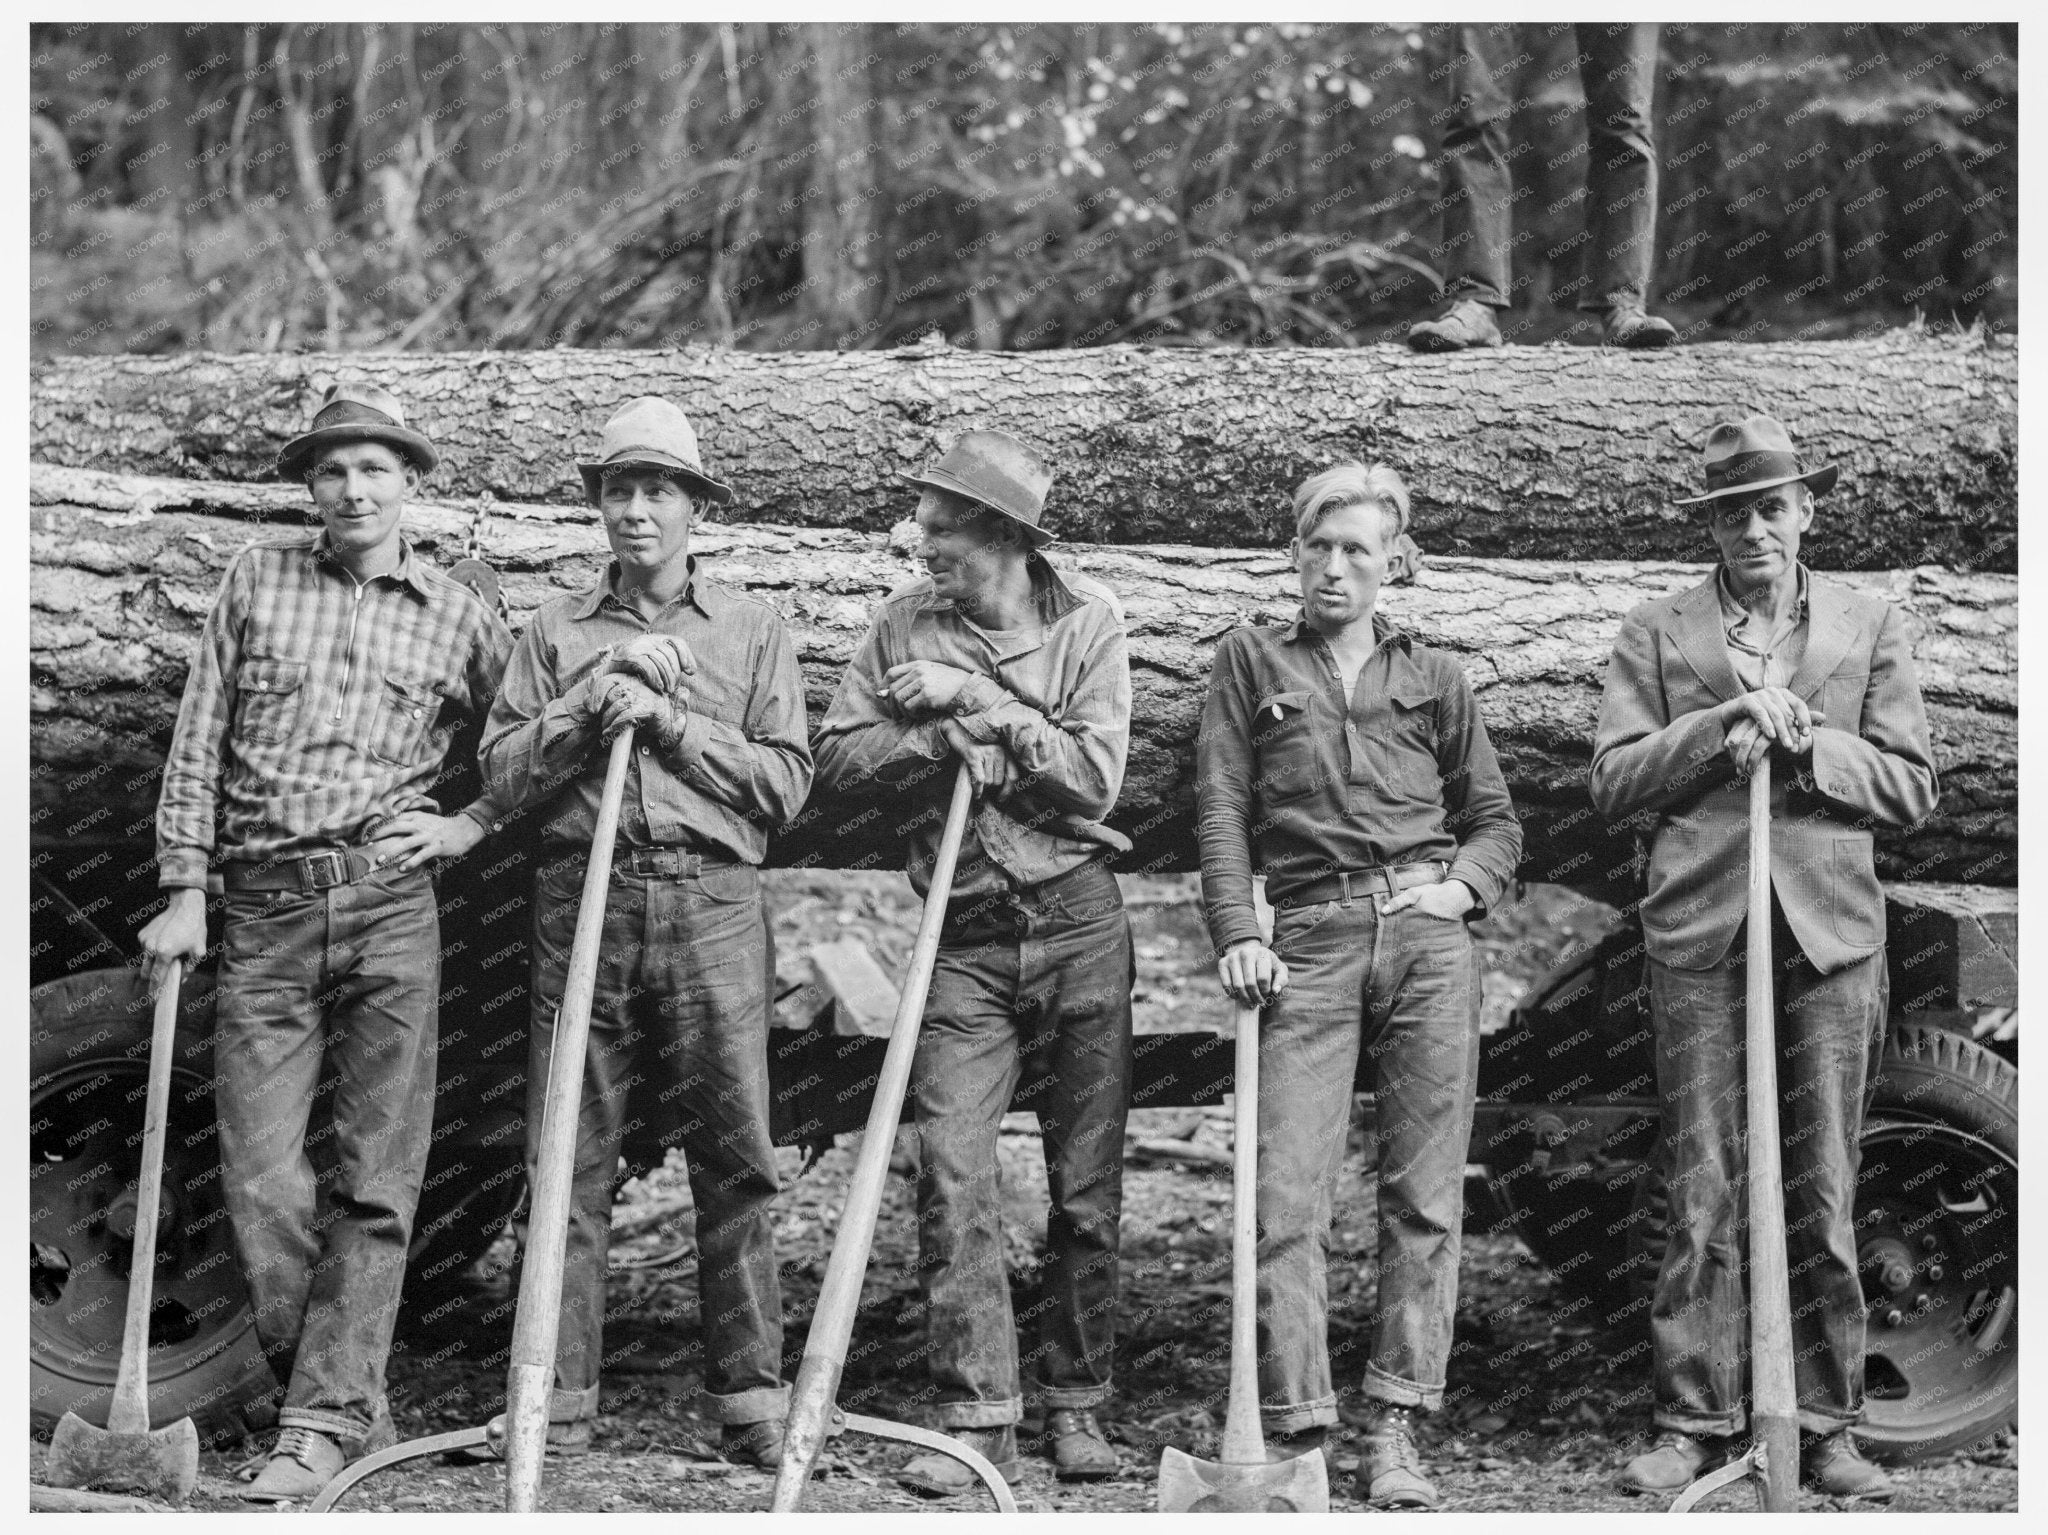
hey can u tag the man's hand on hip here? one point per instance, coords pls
(1449, 899)
(178, 932)
(419, 836)
(989, 765)
(1252, 974)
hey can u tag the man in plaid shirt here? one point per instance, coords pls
(324, 694)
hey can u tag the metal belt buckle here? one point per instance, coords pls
(330, 863)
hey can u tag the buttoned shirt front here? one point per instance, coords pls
(1316, 781)
(741, 766)
(1056, 694)
(318, 706)
(1774, 661)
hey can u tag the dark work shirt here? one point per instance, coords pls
(1289, 769)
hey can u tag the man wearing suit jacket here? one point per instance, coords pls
(1762, 657)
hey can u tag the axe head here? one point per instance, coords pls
(158, 1463)
(1299, 1485)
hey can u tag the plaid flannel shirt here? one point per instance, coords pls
(318, 707)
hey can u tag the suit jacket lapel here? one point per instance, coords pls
(1830, 629)
(1701, 641)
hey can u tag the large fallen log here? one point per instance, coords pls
(1526, 452)
(124, 570)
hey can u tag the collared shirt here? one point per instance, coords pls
(1057, 695)
(1773, 662)
(1399, 772)
(318, 706)
(741, 766)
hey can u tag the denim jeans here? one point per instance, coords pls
(1618, 67)
(678, 1040)
(1831, 1031)
(1406, 989)
(1031, 987)
(349, 976)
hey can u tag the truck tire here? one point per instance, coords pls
(89, 1067)
(1937, 1221)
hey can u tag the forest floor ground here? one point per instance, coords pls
(1540, 1413)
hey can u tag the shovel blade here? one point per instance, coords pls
(1300, 1485)
(162, 1463)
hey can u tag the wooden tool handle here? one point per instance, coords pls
(530, 1377)
(1243, 1441)
(129, 1411)
(1773, 1400)
(817, 1378)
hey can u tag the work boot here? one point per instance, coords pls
(752, 1444)
(1080, 1453)
(1390, 1470)
(1628, 325)
(1467, 323)
(1673, 1462)
(941, 1476)
(304, 1461)
(1832, 1464)
(1301, 1441)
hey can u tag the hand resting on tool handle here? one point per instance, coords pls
(1252, 974)
(178, 932)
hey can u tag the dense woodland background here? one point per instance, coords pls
(776, 187)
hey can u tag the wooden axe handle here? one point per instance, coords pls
(530, 1376)
(817, 1378)
(1773, 1400)
(129, 1411)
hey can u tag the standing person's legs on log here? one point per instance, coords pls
(1618, 66)
(1478, 195)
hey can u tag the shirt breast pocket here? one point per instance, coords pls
(267, 699)
(1412, 743)
(405, 712)
(1284, 736)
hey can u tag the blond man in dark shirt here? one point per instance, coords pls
(1353, 764)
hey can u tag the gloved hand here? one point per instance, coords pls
(659, 660)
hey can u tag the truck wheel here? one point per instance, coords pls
(1937, 1232)
(1937, 1224)
(89, 1068)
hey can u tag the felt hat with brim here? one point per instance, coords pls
(999, 472)
(356, 412)
(652, 433)
(1743, 457)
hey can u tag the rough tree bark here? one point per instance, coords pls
(125, 568)
(1527, 452)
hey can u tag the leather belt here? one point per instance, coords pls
(665, 862)
(314, 872)
(1353, 884)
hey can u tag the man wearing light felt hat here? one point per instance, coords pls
(321, 703)
(707, 678)
(1762, 657)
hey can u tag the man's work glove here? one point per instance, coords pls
(660, 660)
